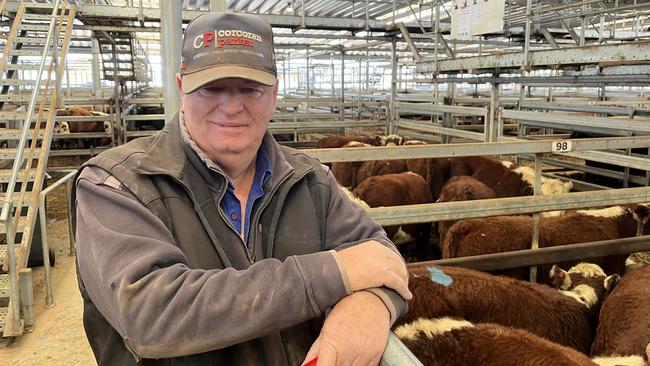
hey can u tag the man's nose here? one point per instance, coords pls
(230, 102)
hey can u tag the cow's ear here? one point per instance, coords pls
(611, 281)
(560, 278)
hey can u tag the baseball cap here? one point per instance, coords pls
(227, 45)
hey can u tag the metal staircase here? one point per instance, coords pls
(32, 62)
(122, 57)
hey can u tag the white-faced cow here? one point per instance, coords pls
(624, 325)
(566, 317)
(461, 188)
(454, 342)
(507, 233)
(400, 189)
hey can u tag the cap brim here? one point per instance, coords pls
(197, 79)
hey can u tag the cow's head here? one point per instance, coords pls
(587, 283)
(61, 127)
(390, 140)
(641, 214)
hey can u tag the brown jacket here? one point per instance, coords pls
(167, 280)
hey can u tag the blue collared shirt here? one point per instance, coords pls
(230, 203)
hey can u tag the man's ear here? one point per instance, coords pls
(275, 91)
(179, 83)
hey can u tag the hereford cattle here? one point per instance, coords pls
(620, 361)
(505, 178)
(434, 170)
(390, 140)
(85, 126)
(566, 317)
(461, 188)
(624, 325)
(405, 188)
(414, 142)
(354, 199)
(345, 173)
(507, 233)
(372, 168)
(452, 342)
(339, 141)
(149, 125)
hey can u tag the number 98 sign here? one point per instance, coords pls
(562, 146)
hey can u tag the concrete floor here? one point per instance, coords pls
(58, 337)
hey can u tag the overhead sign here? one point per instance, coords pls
(475, 17)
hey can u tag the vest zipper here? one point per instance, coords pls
(257, 214)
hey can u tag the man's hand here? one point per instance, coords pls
(354, 333)
(371, 265)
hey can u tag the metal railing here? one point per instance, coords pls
(42, 214)
(7, 206)
(396, 353)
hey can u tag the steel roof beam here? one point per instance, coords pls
(628, 53)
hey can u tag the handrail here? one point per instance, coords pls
(14, 323)
(18, 161)
(49, 302)
(396, 353)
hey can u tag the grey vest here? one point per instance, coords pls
(168, 178)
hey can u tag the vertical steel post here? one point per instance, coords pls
(393, 87)
(218, 5)
(583, 26)
(536, 215)
(308, 86)
(284, 77)
(27, 298)
(526, 64)
(437, 35)
(492, 132)
(332, 74)
(602, 28)
(170, 41)
(342, 108)
(42, 215)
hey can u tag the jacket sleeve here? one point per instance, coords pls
(141, 283)
(349, 224)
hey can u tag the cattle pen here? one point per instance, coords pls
(543, 106)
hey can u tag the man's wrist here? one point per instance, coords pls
(385, 300)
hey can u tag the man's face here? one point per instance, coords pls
(229, 116)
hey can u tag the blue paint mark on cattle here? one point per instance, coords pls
(438, 276)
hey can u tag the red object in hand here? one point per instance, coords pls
(312, 362)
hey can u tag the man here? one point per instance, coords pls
(209, 244)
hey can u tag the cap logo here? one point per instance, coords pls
(224, 37)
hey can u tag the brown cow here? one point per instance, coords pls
(372, 168)
(405, 188)
(339, 141)
(461, 188)
(504, 177)
(507, 233)
(624, 325)
(85, 126)
(453, 342)
(345, 173)
(434, 170)
(563, 316)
